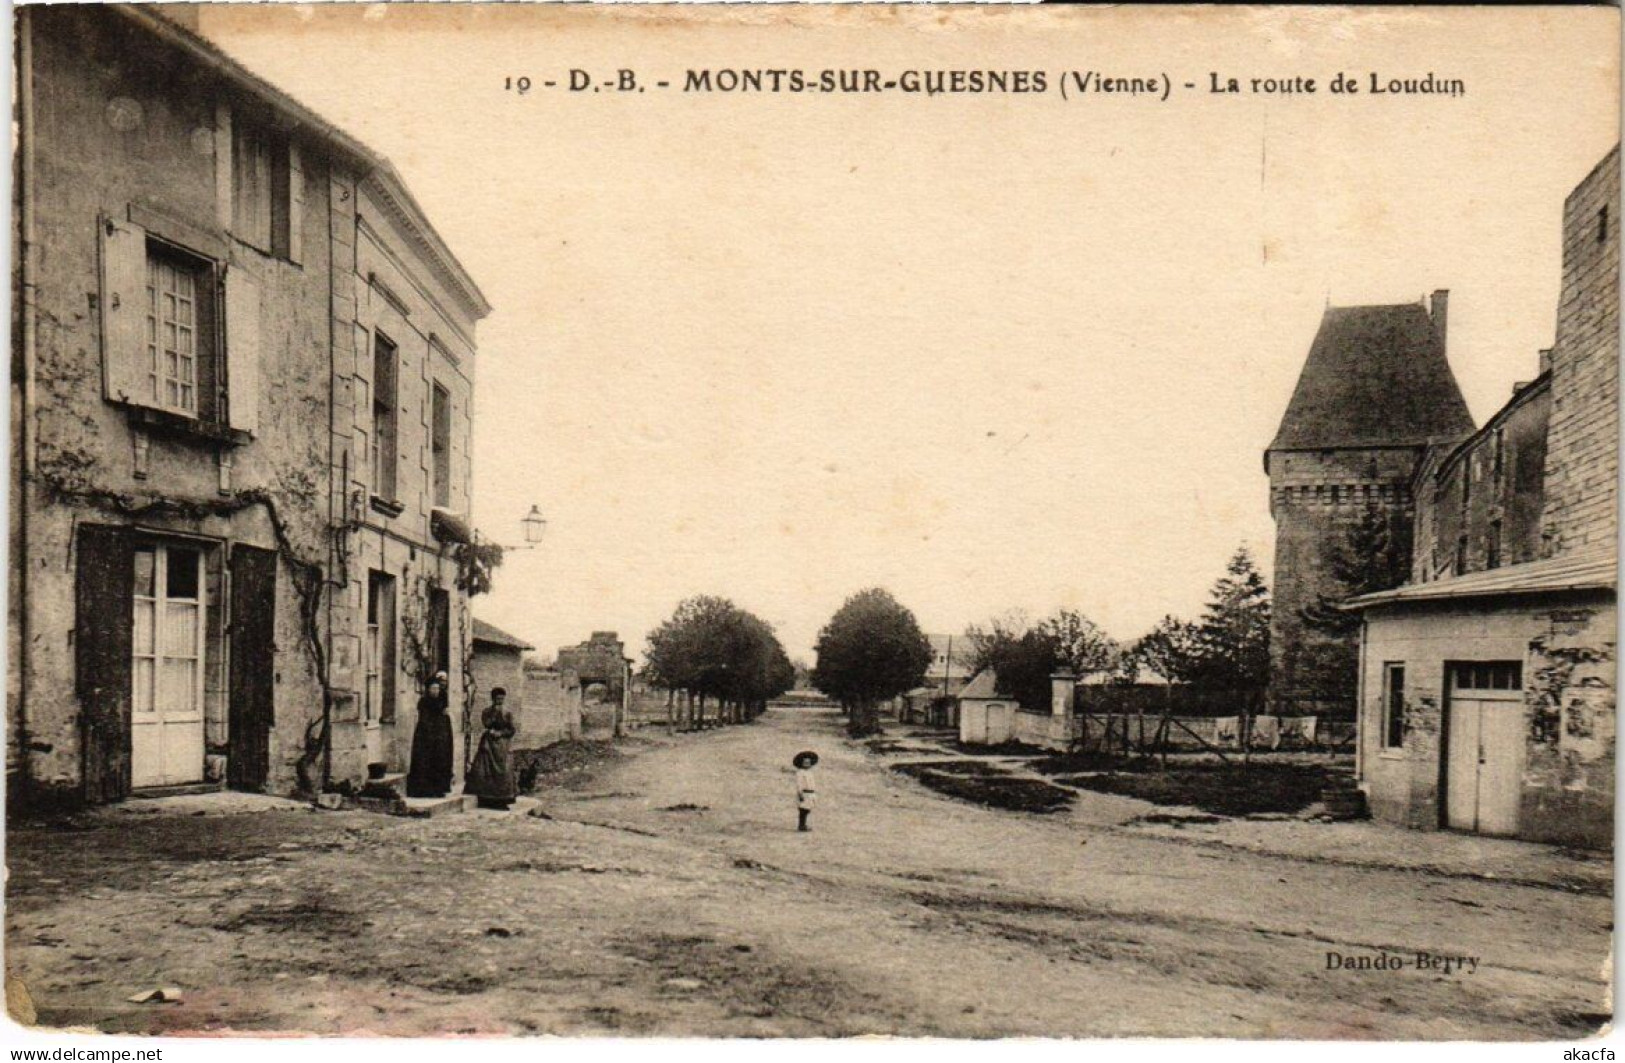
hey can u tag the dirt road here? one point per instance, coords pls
(671, 894)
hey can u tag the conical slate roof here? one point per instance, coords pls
(1376, 376)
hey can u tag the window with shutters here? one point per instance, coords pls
(440, 445)
(262, 190)
(177, 368)
(383, 458)
(180, 335)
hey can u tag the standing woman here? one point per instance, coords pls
(490, 777)
(430, 771)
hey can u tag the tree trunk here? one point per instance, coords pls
(865, 718)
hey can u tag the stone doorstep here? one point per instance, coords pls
(426, 807)
(150, 793)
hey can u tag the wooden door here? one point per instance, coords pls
(1484, 747)
(253, 667)
(102, 635)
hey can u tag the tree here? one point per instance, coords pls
(1170, 650)
(1080, 644)
(986, 643)
(1233, 636)
(871, 649)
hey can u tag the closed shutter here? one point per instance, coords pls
(126, 363)
(296, 204)
(103, 632)
(253, 660)
(222, 166)
(242, 350)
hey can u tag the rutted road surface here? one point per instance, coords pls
(671, 894)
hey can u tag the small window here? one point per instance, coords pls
(1393, 706)
(1487, 675)
(260, 190)
(383, 417)
(1602, 225)
(1492, 546)
(1461, 556)
(1499, 454)
(440, 445)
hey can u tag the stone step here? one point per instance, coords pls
(424, 807)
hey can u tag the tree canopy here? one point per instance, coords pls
(710, 647)
(1228, 648)
(1023, 656)
(871, 649)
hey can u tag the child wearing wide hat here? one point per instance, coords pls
(806, 790)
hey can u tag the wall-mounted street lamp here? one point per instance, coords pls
(535, 526)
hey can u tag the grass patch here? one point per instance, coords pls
(542, 767)
(1222, 789)
(983, 785)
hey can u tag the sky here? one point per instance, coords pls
(990, 352)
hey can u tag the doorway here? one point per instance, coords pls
(167, 666)
(1484, 746)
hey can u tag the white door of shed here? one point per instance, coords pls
(1485, 747)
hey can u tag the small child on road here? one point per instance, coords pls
(806, 789)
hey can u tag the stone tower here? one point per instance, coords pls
(1375, 393)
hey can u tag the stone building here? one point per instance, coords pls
(1376, 392)
(201, 263)
(1487, 683)
(497, 661)
(600, 662)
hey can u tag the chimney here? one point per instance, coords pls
(1439, 311)
(1546, 361)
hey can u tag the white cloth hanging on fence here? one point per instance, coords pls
(1227, 730)
(1266, 733)
(1298, 730)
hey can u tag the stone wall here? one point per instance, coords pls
(1316, 497)
(1582, 462)
(551, 708)
(1475, 504)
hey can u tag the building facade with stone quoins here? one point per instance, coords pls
(220, 299)
(1487, 683)
(1375, 393)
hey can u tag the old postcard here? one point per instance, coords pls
(795, 522)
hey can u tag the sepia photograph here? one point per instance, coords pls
(795, 522)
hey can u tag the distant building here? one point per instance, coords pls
(1375, 394)
(600, 660)
(934, 702)
(1487, 686)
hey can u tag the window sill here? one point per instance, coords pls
(387, 507)
(180, 426)
(1391, 754)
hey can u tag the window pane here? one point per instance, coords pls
(179, 635)
(177, 686)
(144, 622)
(142, 699)
(183, 574)
(144, 562)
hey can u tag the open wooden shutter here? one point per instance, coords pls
(126, 369)
(253, 673)
(103, 630)
(242, 350)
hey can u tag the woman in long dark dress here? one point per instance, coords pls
(430, 771)
(490, 777)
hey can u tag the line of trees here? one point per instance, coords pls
(711, 653)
